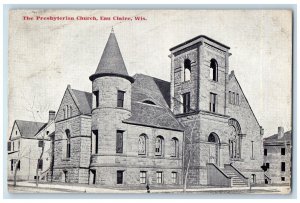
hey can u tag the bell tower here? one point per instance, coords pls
(199, 70)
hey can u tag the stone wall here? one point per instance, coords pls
(80, 148)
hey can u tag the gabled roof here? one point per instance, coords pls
(85, 101)
(28, 129)
(232, 75)
(287, 136)
(153, 116)
(149, 88)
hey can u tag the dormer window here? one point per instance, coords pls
(149, 102)
(187, 70)
(213, 70)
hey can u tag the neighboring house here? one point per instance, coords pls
(25, 146)
(138, 130)
(277, 157)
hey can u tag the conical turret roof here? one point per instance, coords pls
(111, 62)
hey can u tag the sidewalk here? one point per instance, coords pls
(89, 189)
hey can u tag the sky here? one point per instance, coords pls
(45, 56)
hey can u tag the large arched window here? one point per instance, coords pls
(174, 147)
(68, 147)
(235, 139)
(213, 70)
(187, 70)
(159, 144)
(142, 144)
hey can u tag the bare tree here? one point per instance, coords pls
(189, 152)
(37, 109)
(187, 158)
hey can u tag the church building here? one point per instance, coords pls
(197, 129)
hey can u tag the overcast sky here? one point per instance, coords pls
(46, 56)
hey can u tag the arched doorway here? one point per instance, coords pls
(214, 148)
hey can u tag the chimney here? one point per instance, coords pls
(51, 116)
(280, 132)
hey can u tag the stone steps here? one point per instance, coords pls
(236, 180)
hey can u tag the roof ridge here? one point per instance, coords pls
(151, 77)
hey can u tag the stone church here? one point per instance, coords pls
(134, 130)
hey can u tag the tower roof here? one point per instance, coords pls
(111, 62)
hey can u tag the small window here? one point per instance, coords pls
(70, 111)
(64, 110)
(143, 175)
(159, 178)
(119, 141)
(252, 149)
(265, 152)
(174, 178)
(96, 94)
(213, 70)
(8, 146)
(11, 164)
(282, 166)
(266, 181)
(13, 144)
(19, 165)
(186, 102)
(229, 97)
(67, 111)
(213, 102)
(187, 70)
(40, 164)
(233, 97)
(237, 99)
(41, 143)
(282, 151)
(120, 102)
(16, 132)
(253, 177)
(120, 177)
(96, 141)
(282, 178)
(68, 151)
(268, 165)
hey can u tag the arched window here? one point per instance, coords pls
(68, 149)
(142, 144)
(159, 142)
(213, 70)
(235, 139)
(211, 138)
(174, 147)
(187, 70)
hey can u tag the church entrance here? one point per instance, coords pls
(213, 149)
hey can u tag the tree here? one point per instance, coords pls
(37, 110)
(189, 152)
